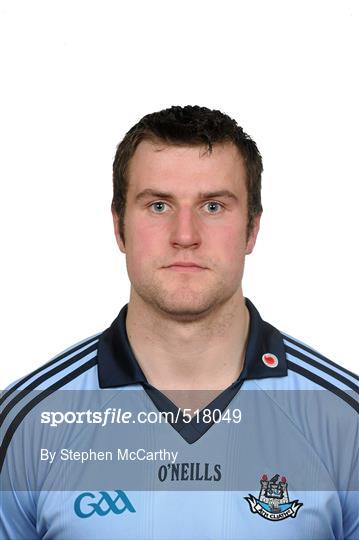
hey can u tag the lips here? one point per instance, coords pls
(185, 267)
(185, 264)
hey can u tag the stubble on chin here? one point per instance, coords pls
(183, 302)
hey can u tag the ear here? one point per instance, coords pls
(116, 227)
(251, 242)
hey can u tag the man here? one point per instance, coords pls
(260, 437)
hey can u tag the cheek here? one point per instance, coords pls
(144, 243)
(230, 242)
(227, 246)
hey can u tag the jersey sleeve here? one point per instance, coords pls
(18, 516)
(18, 503)
(350, 499)
(18, 507)
(351, 515)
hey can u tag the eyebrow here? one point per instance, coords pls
(202, 195)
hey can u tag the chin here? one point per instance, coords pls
(185, 307)
(184, 303)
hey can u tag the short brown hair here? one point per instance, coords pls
(189, 125)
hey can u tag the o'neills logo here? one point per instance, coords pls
(184, 472)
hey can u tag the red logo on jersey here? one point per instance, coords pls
(270, 360)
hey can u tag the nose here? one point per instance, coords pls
(185, 230)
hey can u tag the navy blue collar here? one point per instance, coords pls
(118, 366)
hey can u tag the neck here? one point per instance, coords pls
(204, 354)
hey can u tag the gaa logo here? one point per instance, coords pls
(87, 504)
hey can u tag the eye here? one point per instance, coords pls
(158, 205)
(214, 204)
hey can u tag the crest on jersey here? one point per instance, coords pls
(270, 360)
(273, 502)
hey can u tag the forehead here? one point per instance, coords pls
(156, 164)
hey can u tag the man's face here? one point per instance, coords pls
(186, 206)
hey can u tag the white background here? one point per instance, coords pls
(76, 75)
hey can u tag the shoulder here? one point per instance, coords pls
(66, 365)
(299, 351)
(313, 386)
(75, 368)
(311, 370)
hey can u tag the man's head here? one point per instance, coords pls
(187, 126)
(186, 190)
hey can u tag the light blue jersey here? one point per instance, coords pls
(91, 450)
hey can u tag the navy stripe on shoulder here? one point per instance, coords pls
(324, 383)
(322, 367)
(21, 415)
(308, 349)
(57, 358)
(47, 375)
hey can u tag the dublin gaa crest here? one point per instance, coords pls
(273, 502)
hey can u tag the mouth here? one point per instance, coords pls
(185, 267)
(179, 268)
